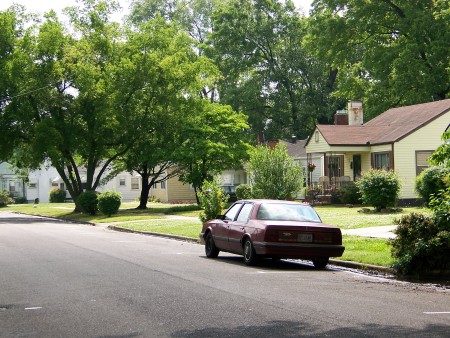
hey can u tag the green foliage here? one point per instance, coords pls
(57, 195)
(440, 203)
(243, 192)
(20, 200)
(422, 244)
(109, 202)
(212, 200)
(268, 71)
(380, 66)
(5, 198)
(430, 181)
(214, 139)
(87, 200)
(441, 156)
(349, 194)
(379, 188)
(273, 173)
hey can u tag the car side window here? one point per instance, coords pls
(230, 215)
(244, 215)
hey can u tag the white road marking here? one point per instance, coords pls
(438, 313)
(34, 308)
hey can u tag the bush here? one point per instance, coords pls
(20, 200)
(5, 199)
(57, 195)
(212, 200)
(243, 192)
(109, 202)
(379, 188)
(430, 181)
(88, 202)
(349, 194)
(273, 173)
(422, 244)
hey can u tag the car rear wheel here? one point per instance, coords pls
(250, 256)
(320, 262)
(211, 250)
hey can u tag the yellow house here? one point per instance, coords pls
(400, 139)
(173, 191)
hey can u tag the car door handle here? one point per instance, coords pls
(242, 228)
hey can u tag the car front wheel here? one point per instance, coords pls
(320, 262)
(250, 257)
(211, 250)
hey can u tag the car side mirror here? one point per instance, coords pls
(221, 217)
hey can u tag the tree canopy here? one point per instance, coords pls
(389, 53)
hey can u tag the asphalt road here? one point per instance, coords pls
(74, 280)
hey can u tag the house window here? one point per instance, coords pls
(135, 183)
(122, 181)
(155, 186)
(382, 161)
(163, 185)
(62, 186)
(12, 186)
(32, 185)
(422, 157)
(316, 136)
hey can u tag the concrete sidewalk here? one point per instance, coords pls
(373, 232)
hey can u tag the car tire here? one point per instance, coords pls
(211, 250)
(250, 256)
(320, 262)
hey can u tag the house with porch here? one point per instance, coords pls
(400, 139)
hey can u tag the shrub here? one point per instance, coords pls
(349, 194)
(243, 192)
(273, 173)
(57, 195)
(20, 200)
(88, 202)
(212, 200)
(379, 188)
(109, 202)
(5, 199)
(422, 244)
(430, 181)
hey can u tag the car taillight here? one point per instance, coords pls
(271, 235)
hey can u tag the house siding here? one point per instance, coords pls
(425, 138)
(179, 191)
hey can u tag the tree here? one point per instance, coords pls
(214, 140)
(273, 173)
(441, 156)
(389, 53)
(67, 105)
(268, 73)
(162, 59)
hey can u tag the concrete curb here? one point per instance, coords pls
(346, 264)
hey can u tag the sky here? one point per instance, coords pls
(42, 6)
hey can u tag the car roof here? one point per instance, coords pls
(260, 201)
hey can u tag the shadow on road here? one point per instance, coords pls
(269, 264)
(284, 329)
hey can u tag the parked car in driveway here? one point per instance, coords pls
(273, 229)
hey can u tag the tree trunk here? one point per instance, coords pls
(144, 191)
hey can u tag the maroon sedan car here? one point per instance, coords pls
(274, 229)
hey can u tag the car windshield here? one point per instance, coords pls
(287, 212)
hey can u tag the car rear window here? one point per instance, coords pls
(287, 212)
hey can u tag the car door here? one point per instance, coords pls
(222, 228)
(236, 229)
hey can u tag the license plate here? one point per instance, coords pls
(305, 238)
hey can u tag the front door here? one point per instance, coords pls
(356, 167)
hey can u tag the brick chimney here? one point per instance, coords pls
(341, 118)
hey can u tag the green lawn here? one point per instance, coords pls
(351, 218)
(156, 219)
